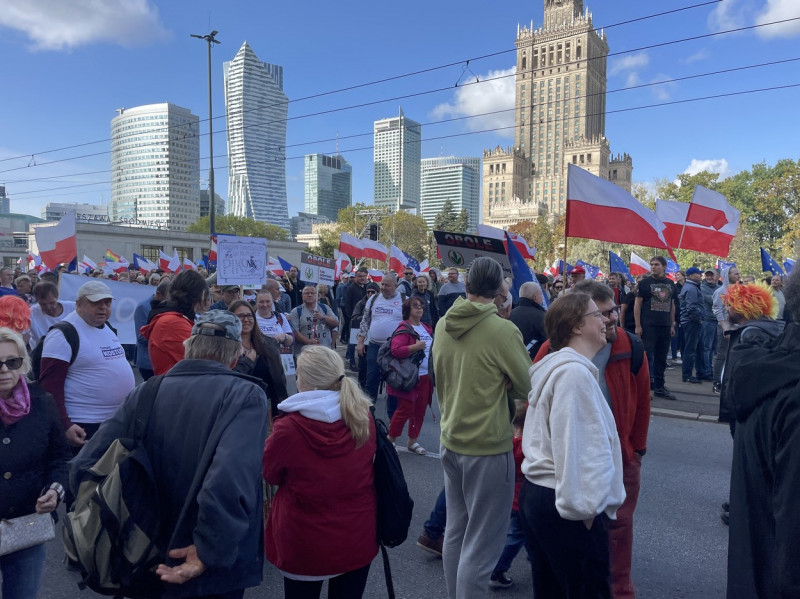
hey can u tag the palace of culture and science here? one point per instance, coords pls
(560, 117)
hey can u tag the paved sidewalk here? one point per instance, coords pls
(695, 402)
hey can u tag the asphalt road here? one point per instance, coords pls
(680, 544)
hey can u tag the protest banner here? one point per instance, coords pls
(460, 249)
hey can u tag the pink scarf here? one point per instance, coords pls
(18, 404)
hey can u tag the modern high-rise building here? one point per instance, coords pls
(454, 179)
(255, 111)
(155, 166)
(5, 201)
(84, 213)
(205, 208)
(328, 184)
(560, 114)
(397, 155)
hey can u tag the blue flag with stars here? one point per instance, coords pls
(519, 269)
(411, 262)
(788, 264)
(769, 264)
(617, 264)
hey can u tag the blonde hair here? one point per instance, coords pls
(9, 336)
(319, 367)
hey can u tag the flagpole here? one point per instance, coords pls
(566, 228)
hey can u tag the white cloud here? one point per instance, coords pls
(495, 92)
(727, 15)
(663, 91)
(697, 56)
(713, 165)
(631, 62)
(66, 24)
(778, 10)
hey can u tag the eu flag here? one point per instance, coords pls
(769, 264)
(519, 269)
(617, 264)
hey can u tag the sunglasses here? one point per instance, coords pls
(12, 363)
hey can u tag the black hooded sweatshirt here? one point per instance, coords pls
(764, 541)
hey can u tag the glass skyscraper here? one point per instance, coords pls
(155, 166)
(256, 110)
(397, 154)
(454, 179)
(328, 185)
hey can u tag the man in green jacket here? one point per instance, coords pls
(480, 364)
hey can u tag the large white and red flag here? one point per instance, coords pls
(58, 243)
(685, 230)
(169, 263)
(599, 209)
(375, 275)
(275, 267)
(352, 246)
(424, 267)
(397, 259)
(639, 266)
(373, 249)
(341, 263)
(491, 232)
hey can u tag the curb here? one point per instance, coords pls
(682, 415)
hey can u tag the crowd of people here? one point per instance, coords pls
(544, 401)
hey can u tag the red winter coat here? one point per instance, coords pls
(324, 516)
(400, 345)
(630, 395)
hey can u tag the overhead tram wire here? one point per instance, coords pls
(418, 94)
(375, 82)
(455, 119)
(492, 130)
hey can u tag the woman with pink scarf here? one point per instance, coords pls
(33, 461)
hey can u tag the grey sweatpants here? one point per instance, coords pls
(479, 491)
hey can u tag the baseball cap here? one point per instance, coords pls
(693, 271)
(578, 270)
(710, 270)
(95, 291)
(229, 288)
(231, 325)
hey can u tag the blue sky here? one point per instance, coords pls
(68, 64)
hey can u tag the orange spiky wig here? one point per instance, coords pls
(752, 300)
(14, 313)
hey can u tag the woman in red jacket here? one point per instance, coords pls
(323, 522)
(412, 404)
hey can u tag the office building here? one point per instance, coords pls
(219, 204)
(397, 155)
(5, 201)
(560, 115)
(328, 185)
(84, 213)
(303, 224)
(155, 167)
(454, 179)
(256, 110)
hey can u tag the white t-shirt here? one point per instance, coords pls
(41, 322)
(99, 379)
(426, 337)
(305, 324)
(386, 315)
(271, 326)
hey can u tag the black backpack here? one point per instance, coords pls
(113, 528)
(70, 334)
(395, 506)
(402, 374)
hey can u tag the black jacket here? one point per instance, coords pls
(210, 422)
(764, 535)
(691, 303)
(355, 293)
(529, 318)
(33, 454)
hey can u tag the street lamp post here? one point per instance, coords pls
(210, 39)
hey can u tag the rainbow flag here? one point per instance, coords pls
(112, 257)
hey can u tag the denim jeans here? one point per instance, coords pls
(434, 526)
(709, 335)
(514, 542)
(22, 571)
(691, 332)
(350, 353)
(373, 371)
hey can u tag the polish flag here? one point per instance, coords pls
(116, 267)
(37, 262)
(682, 234)
(58, 243)
(142, 264)
(375, 275)
(599, 209)
(87, 264)
(639, 266)
(274, 266)
(397, 260)
(711, 209)
(352, 246)
(424, 266)
(525, 250)
(169, 263)
(189, 265)
(373, 249)
(342, 264)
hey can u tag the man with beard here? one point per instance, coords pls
(625, 381)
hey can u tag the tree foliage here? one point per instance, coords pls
(448, 220)
(240, 226)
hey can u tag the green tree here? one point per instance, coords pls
(407, 231)
(448, 220)
(240, 226)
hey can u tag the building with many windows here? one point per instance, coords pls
(255, 111)
(328, 184)
(155, 166)
(5, 201)
(450, 178)
(560, 115)
(397, 155)
(84, 213)
(205, 208)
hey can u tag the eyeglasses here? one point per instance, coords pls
(596, 314)
(614, 310)
(371, 292)
(245, 317)
(12, 363)
(559, 287)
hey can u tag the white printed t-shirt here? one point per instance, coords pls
(426, 337)
(385, 315)
(271, 327)
(99, 379)
(41, 322)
